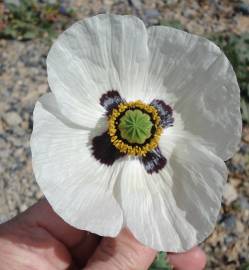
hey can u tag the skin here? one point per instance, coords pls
(39, 239)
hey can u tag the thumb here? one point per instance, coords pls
(121, 253)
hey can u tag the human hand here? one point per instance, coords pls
(39, 239)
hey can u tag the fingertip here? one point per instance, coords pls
(195, 259)
(122, 252)
(200, 256)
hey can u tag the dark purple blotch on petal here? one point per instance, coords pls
(154, 161)
(104, 151)
(165, 112)
(110, 100)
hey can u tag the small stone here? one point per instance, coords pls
(23, 207)
(243, 8)
(230, 194)
(52, 2)
(171, 2)
(152, 13)
(244, 203)
(189, 13)
(239, 226)
(30, 98)
(229, 222)
(25, 125)
(3, 107)
(38, 195)
(12, 2)
(245, 217)
(43, 88)
(136, 3)
(151, 16)
(246, 137)
(1, 126)
(2, 68)
(214, 2)
(229, 240)
(3, 218)
(235, 182)
(12, 118)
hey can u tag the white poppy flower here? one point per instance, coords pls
(135, 131)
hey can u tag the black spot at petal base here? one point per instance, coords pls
(110, 100)
(104, 151)
(165, 112)
(154, 161)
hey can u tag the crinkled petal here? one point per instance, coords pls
(198, 180)
(149, 209)
(193, 75)
(75, 184)
(96, 55)
(175, 209)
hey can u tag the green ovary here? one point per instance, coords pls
(135, 126)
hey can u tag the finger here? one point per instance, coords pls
(23, 246)
(194, 259)
(123, 252)
(42, 215)
(84, 250)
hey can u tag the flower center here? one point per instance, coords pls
(135, 126)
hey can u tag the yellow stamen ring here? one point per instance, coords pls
(127, 148)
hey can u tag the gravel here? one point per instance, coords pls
(12, 119)
(21, 83)
(23, 80)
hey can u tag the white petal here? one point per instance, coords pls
(192, 74)
(105, 52)
(75, 184)
(177, 208)
(198, 178)
(150, 211)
